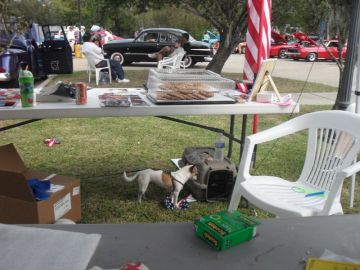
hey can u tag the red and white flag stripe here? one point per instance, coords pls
(258, 37)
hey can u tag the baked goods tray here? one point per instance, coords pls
(215, 82)
(174, 74)
(216, 99)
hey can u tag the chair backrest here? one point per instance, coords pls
(178, 58)
(333, 144)
(173, 62)
(91, 64)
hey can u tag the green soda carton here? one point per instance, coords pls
(26, 84)
(223, 230)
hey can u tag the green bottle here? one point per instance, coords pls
(26, 84)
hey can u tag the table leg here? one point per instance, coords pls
(243, 134)
(231, 138)
(19, 124)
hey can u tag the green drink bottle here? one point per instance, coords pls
(26, 84)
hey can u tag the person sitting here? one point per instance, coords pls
(168, 51)
(93, 52)
(150, 38)
(178, 48)
(186, 43)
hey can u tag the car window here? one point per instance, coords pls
(53, 32)
(333, 44)
(173, 38)
(164, 37)
(168, 37)
(147, 37)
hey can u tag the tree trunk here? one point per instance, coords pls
(222, 55)
(229, 39)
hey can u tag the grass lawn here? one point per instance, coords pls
(139, 77)
(98, 150)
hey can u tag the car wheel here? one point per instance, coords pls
(117, 57)
(311, 57)
(188, 61)
(282, 54)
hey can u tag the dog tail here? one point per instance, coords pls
(131, 178)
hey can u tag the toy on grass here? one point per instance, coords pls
(51, 141)
(182, 204)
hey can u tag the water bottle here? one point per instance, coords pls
(102, 78)
(26, 85)
(219, 148)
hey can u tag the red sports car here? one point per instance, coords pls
(312, 53)
(281, 43)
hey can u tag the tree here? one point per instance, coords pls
(229, 18)
(306, 15)
(10, 25)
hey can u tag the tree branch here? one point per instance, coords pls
(206, 15)
(340, 65)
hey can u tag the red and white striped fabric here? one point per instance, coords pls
(258, 42)
(258, 37)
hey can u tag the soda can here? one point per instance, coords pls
(81, 95)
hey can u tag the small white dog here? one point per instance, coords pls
(173, 181)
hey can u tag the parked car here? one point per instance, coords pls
(312, 53)
(107, 36)
(240, 48)
(281, 43)
(210, 37)
(39, 50)
(152, 40)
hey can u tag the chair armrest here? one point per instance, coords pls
(335, 188)
(167, 60)
(351, 170)
(276, 132)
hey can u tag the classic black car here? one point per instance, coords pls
(39, 49)
(152, 40)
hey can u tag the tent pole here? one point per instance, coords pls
(357, 110)
(343, 98)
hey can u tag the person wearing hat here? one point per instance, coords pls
(94, 28)
(93, 52)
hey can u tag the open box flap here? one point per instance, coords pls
(10, 160)
(14, 185)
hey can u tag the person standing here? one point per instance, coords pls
(185, 41)
(70, 35)
(93, 52)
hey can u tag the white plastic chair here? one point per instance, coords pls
(174, 62)
(333, 143)
(91, 67)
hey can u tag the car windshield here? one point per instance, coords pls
(191, 39)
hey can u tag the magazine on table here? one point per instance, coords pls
(122, 98)
(9, 97)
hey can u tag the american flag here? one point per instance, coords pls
(258, 37)
(258, 42)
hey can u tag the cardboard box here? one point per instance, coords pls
(223, 230)
(17, 203)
